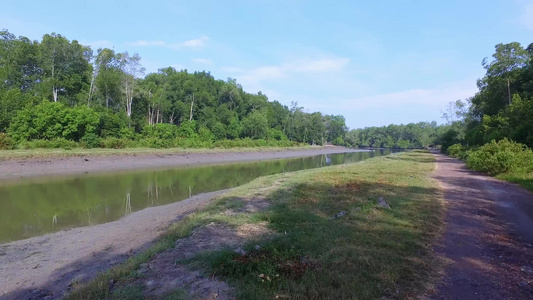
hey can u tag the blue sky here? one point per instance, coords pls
(375, 62)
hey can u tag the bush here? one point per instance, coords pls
(501, 157)
(338, 141)
(51, 120)
(49, 144)
(5, 142)
(90, 140)
(162, 131)
(455, 150)
(114, 143)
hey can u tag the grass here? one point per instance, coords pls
(50, 153)
(371, 252)
(523, 179)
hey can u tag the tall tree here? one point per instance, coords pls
(132, 70)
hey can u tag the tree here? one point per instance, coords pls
(131, 71)
(255, 125)
(108, 77)
(65, 66)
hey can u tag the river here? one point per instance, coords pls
(36, 206)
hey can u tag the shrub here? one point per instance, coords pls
(501, 157)
(161, 131)
(90, 140)
(49, 144)
(455, 150)
(338, 141)
(5, 142)
(51, 120)
(114, 143)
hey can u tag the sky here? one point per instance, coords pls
(374, 62)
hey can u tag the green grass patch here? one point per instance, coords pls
(370, 252)
(523, 179)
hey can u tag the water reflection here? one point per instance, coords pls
(27, 207)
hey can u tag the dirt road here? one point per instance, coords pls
(488, 236)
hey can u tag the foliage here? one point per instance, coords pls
(50, 120)
(48, 144)
(114, 143)
(338, 141)
(455, 150)
(501, 157)
(419, 135)
(90, 140)
(5, 142)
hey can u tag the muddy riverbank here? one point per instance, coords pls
(14, 169)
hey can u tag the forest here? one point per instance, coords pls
(57, 93)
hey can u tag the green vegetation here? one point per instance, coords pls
(57, 93)
(503, 107)
(371, 252)
(419, 135)
(493, 134)
(504, 159)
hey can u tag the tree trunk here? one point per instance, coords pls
(192, 103)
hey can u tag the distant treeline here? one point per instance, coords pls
(59, 93)
(419, 135)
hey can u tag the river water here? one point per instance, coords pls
(35, 206)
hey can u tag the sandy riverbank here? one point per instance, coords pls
(13, 169)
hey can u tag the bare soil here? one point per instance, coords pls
(164, 273)
(488, 236)
(16, 168)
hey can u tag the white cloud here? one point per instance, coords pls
(527, 17)
(196, 43)
(437, 98)
(191, 44)
(205, 61)
(253, 77)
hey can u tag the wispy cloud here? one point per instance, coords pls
(437, 97)
(527, 17)
(205, 61)
(191, 44)
(301, 66)
(196, 43)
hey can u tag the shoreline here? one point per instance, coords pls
(63, 259)
(14, 169)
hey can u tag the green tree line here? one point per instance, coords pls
(412, 135)
(59, 93)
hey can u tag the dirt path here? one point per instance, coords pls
(13, 169)
(488, 236)
(44, 267)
